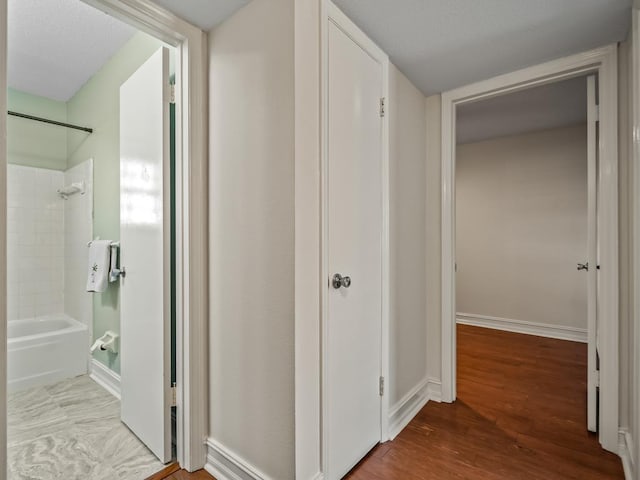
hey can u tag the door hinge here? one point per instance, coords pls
(174, 395)
(172, 93)
(596, 378)
(596, 113)
(381, 386)
(382, 106)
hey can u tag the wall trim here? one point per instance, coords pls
(405, 409)
(434, 389)
(625, 451)
(634, 361)
(105, 377)
(522, 326)
(224, 464)
(3, 234)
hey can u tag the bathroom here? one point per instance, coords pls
(75, 196)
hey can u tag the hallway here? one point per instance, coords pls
(520, 414)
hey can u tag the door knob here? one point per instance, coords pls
(583, 266)
(339, 281)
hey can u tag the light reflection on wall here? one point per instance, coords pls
(141, 193)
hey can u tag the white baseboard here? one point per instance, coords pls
(224, 464)
(105, 377)
(434, 389)
(625, 451)
(405, 410)
(520, 326)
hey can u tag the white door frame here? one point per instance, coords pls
(602, 61)
(3, 235)
(635, 213)
(332, 14)
(191, 217)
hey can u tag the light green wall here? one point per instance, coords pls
(32, 143)
(97, 105)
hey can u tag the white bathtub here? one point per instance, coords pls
(45, 350)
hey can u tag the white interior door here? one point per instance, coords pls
(592, 254)
(354, 244)
(145, 315)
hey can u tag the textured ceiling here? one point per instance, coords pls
(55, 46)
(205, 14)
(442, 44)
(550, 106)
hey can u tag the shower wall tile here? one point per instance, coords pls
(35, 242)
(78, 231)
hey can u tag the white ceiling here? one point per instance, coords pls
(442, 44)
(205, 14)
(55, 46)
(555, 105)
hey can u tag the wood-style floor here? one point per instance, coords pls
(520, 414)
(173, 472)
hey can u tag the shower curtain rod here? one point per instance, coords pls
(51, 122)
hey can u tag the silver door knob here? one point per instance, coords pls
(583, 266)
(338, 281)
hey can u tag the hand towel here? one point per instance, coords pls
(99, 253)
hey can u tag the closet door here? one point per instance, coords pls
(354, 253)
(145, 303)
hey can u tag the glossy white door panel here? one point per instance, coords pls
(592, 255)
(354, 248)
(144, 239)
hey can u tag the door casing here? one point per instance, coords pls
(191, 217)
(603, 62)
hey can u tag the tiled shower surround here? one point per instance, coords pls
(47, 242)
(35, 242)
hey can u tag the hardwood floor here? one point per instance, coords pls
(520, 414)
(177, 474)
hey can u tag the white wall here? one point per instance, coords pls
(35, 242)
(407, 329)
(521, 227)
(252, 236)
(78, 231)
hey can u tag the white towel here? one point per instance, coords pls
(99, 253)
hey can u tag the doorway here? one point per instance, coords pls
(73, 199)
(190, 235)
(526, 237)
(564, 69)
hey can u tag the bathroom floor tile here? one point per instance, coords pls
(72, 430)
(54, 456)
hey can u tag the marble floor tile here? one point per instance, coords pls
(55, 456)
(72, 431)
